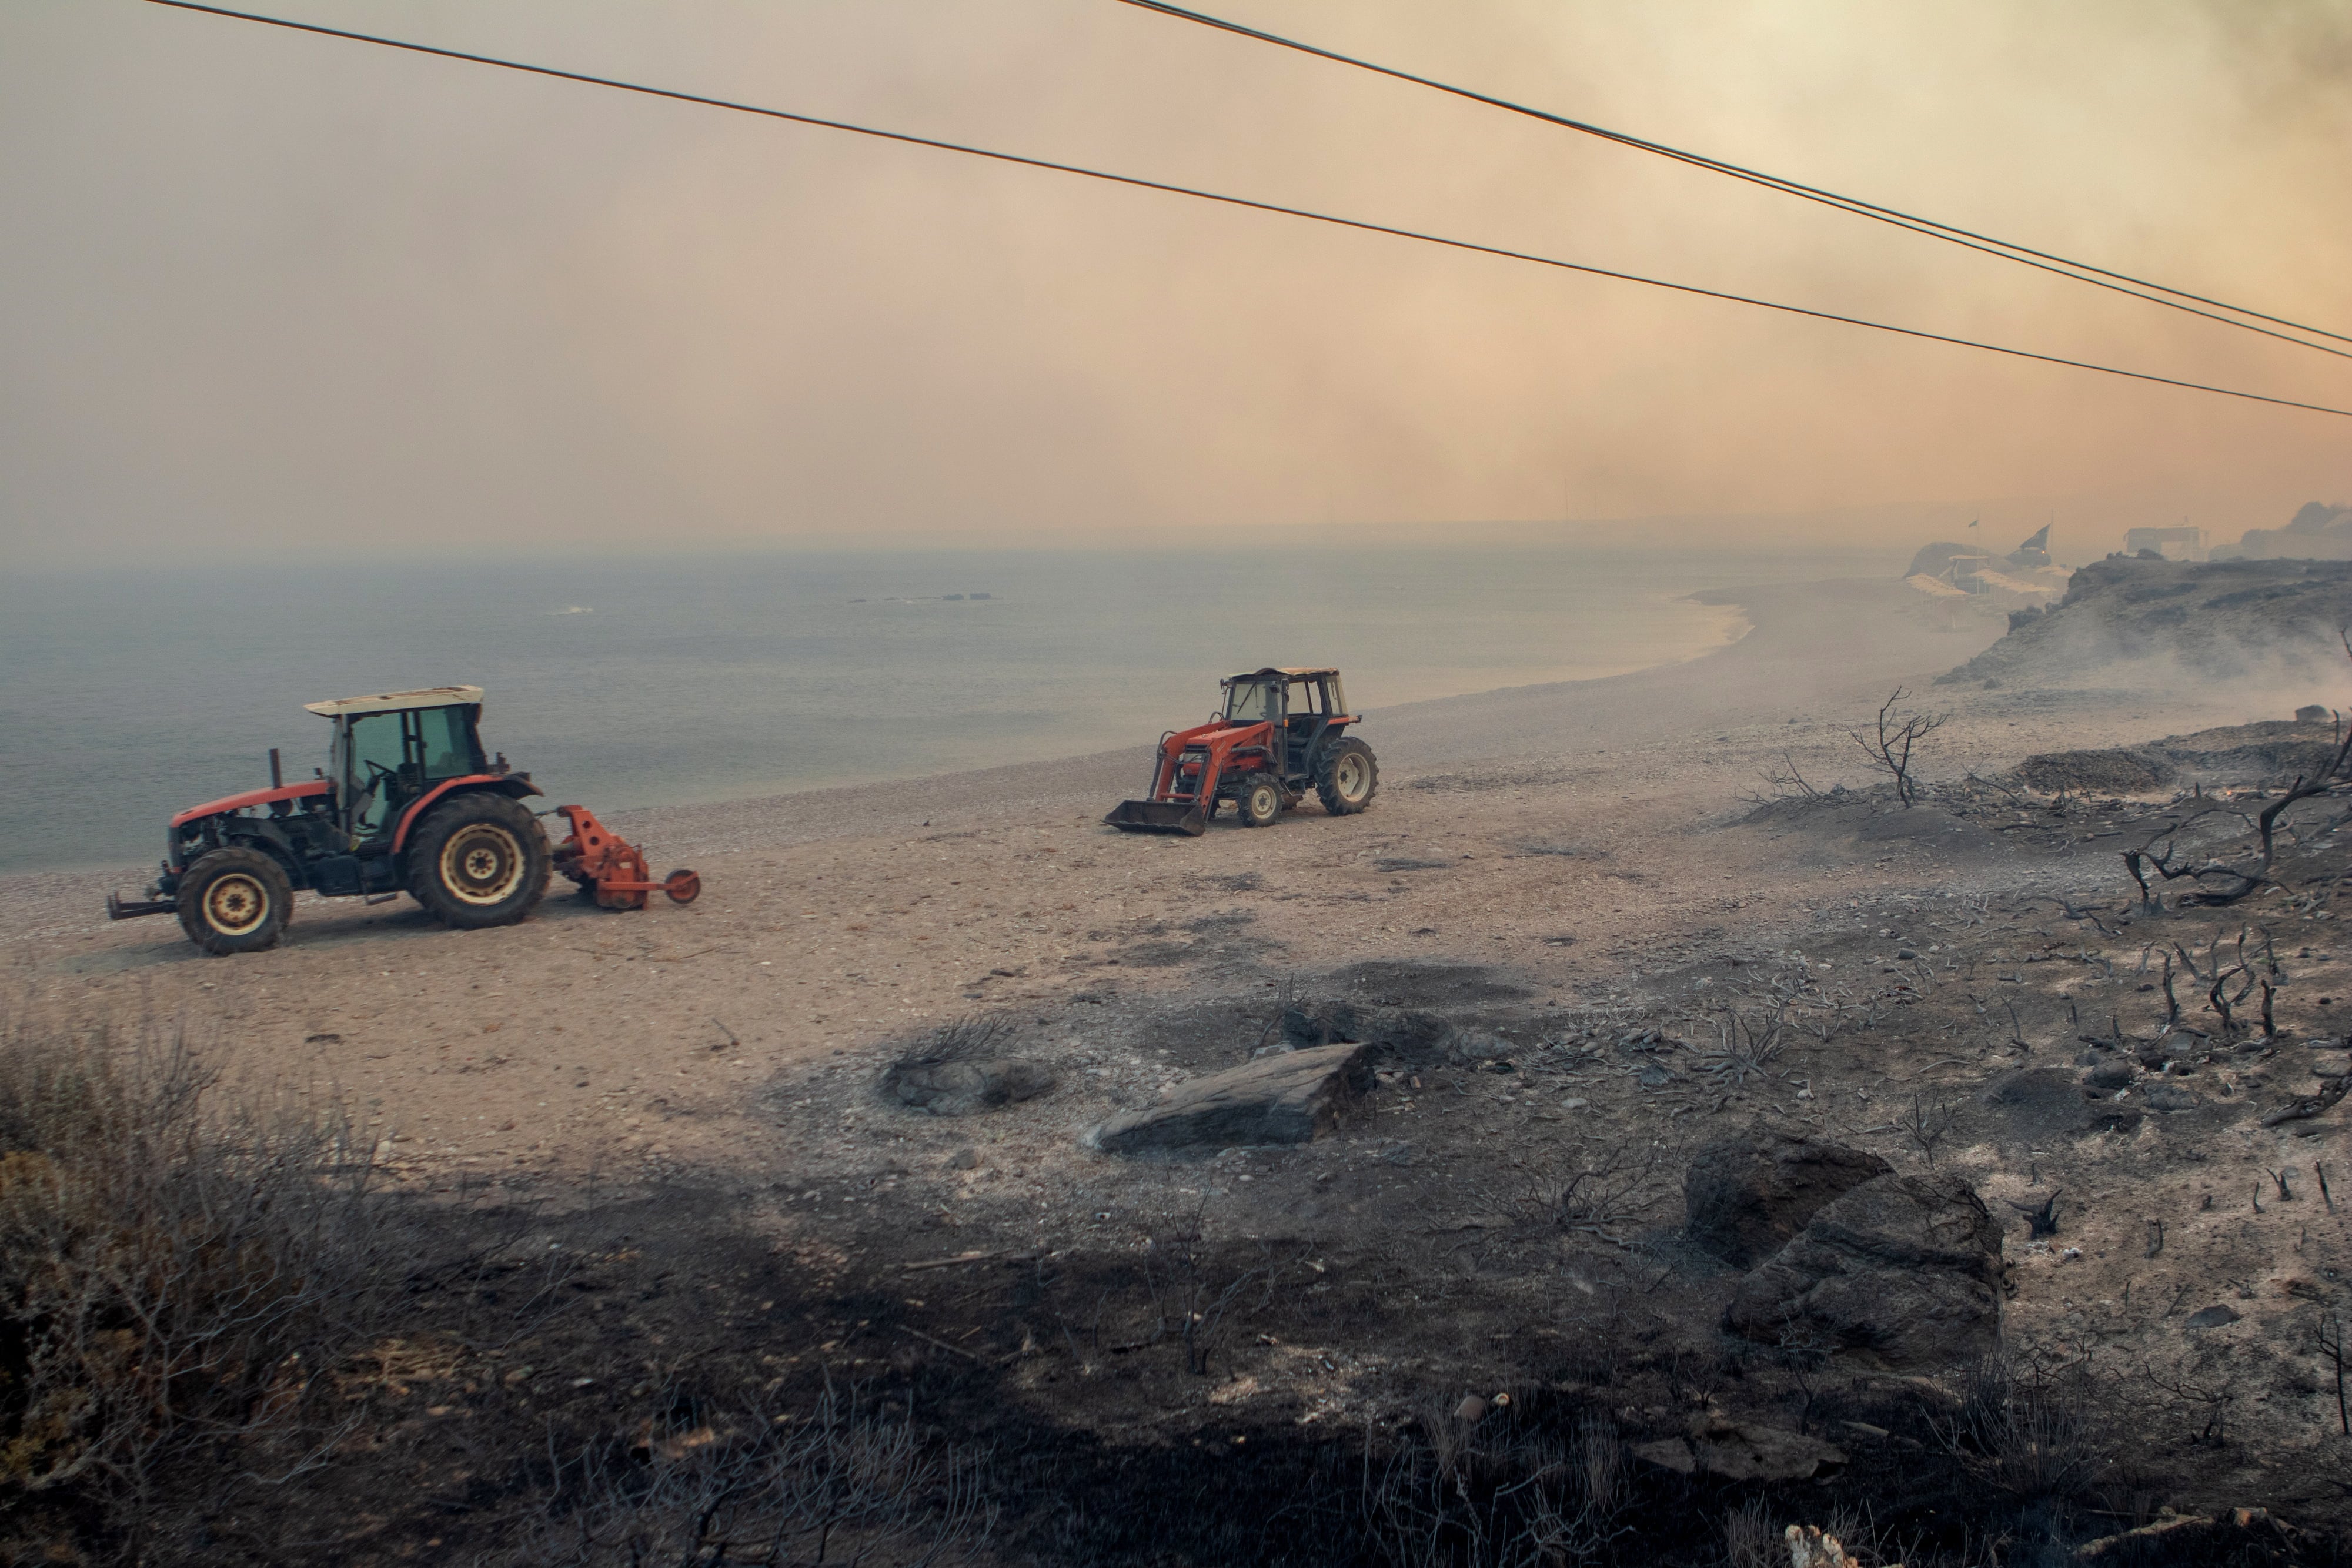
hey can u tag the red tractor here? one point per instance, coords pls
(408, 803)
(1283, 732)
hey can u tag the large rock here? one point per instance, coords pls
(1905, 1270)
(1744, 1197)
(1292, 1097)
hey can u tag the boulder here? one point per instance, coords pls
(1904, 1270)
(1744, 1197)
(1291, 1098)
(959, 1086)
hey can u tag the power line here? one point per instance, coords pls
(1139, 183)
(2007, 250)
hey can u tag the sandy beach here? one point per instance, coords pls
(834, 924)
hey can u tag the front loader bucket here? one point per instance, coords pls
(1187, 816)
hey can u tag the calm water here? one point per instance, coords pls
(127, 696)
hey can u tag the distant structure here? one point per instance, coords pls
(2023, 577)
(2172, 544)
(2317, 532)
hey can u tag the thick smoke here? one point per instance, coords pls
(287, 293)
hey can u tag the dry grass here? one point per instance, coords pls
(180, 1275)
(846, 1483)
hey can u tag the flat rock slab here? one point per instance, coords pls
(1904, 1269)
(1765, 1454)
(1293, 1097)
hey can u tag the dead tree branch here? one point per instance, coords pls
(1894, 740)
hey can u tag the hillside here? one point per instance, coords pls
(2215, 621)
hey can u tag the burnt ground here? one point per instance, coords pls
(1242, 1357)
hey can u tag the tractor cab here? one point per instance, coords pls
(1303, 705)
(1280, 734)
(391, 750)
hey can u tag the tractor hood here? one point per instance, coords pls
(308, 787)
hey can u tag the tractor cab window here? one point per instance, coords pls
(447, 743)
(1253, 702)
(1309, 700)
(373, 754)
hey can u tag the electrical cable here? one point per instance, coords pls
(2007, 250)
(908, 139)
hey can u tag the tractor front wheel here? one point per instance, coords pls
(1347, 777)
(1260, 801)
(478, 860)
(234, 900)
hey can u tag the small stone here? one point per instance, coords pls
(964, 1160)
(1575, 1102)
(1905, 954)
(2212, 1317)
(1472, 1410)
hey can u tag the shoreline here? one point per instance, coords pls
(1742, 624)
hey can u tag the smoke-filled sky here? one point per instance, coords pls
(263, 291)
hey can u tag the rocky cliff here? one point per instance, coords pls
(2218, 621)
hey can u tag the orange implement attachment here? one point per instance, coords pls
(612, 868)
(1186, 773)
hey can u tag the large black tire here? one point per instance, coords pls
(234, 900)
(1260, 801)
(478, 860)
(1347, 777)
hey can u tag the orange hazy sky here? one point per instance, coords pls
(267, 291)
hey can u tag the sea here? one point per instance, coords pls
(127, 694)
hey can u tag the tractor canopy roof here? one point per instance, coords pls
(1273, 675)
(393, 702)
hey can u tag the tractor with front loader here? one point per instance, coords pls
(408, 803)
(1282, 733)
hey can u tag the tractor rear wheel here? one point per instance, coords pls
(1260, 801)
(1347, 777)
(478, 860)
(234, 900)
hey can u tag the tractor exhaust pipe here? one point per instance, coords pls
(276, 776)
